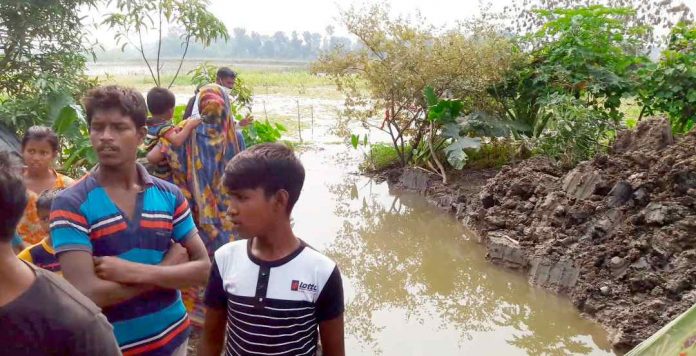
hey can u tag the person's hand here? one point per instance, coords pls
(176, 254)
(247, 120)
(192, 123)
(116, 269)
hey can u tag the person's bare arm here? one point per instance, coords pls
(178, 138)
(155, 156)
(78, 269)
(213, 332)
(184, 275)
(332, 338)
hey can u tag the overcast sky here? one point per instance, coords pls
(268, 16)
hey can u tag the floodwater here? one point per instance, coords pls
(416, 281)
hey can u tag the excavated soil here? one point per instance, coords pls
(616, 234)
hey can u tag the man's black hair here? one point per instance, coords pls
(160, 100)
(128, 101)
(13, 196)
(225, 72)
(44, 201)
(270, 166)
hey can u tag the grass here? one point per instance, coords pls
(381, 156)
(297, 82)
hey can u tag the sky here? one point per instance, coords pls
(269, 16)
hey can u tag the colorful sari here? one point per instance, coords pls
(197, 169)
(30, 228)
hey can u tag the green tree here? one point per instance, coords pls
(397, 59)
(42, 62)
(659, 14)
(670, 84)
(588, 53)
(135, 18)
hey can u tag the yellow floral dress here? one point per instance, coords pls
(30, 228)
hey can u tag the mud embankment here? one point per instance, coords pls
(616, 234)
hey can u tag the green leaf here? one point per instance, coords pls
(354, 140)
(456, 156)
(430, 97)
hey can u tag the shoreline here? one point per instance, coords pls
(612, 234)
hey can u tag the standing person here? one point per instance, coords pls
(161, 103)
(197, 169)
(267, 295)
(113, 233)
(41, 314)
(226, 78)
(39, 150)
(42, 254)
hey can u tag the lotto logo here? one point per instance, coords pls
(301, 286)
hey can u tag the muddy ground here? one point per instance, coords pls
(616, 234)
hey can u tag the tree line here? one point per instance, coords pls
(243, 44)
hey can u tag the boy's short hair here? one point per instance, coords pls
(128, 101)
(44, 201)
(159, 100)
(225, 72)
(271, 166)
(13, 196)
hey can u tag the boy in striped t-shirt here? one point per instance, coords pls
(271, 293)
(117, 230)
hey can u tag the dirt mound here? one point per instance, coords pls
(617, 233)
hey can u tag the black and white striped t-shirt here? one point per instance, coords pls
(273, 307)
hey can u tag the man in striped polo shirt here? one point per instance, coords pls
(271, 293)
(117, 231)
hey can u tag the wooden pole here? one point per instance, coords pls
(299, 126)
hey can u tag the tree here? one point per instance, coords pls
(396, 62)
(658, 14)
(588, 53)
(135, 18)
(42, 61)
(670, 84)
(40, 39)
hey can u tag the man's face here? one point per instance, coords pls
(252, 212)
(227, 82)
(115, 137)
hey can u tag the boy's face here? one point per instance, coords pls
(253, 213)
(115, 137)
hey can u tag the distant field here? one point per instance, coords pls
(264, 77)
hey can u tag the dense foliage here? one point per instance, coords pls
(670, 85)
(557, 88)
(398, 59)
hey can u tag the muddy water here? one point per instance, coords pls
(416, 282)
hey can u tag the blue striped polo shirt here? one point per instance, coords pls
(84, 218)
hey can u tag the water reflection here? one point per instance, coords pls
(417, 285)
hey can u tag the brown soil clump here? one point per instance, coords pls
(617, 234)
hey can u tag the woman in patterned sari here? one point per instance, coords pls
(197, 169)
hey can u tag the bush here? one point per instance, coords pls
(670, 85)
(577, 131)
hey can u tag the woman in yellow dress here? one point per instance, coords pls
(39, 150)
